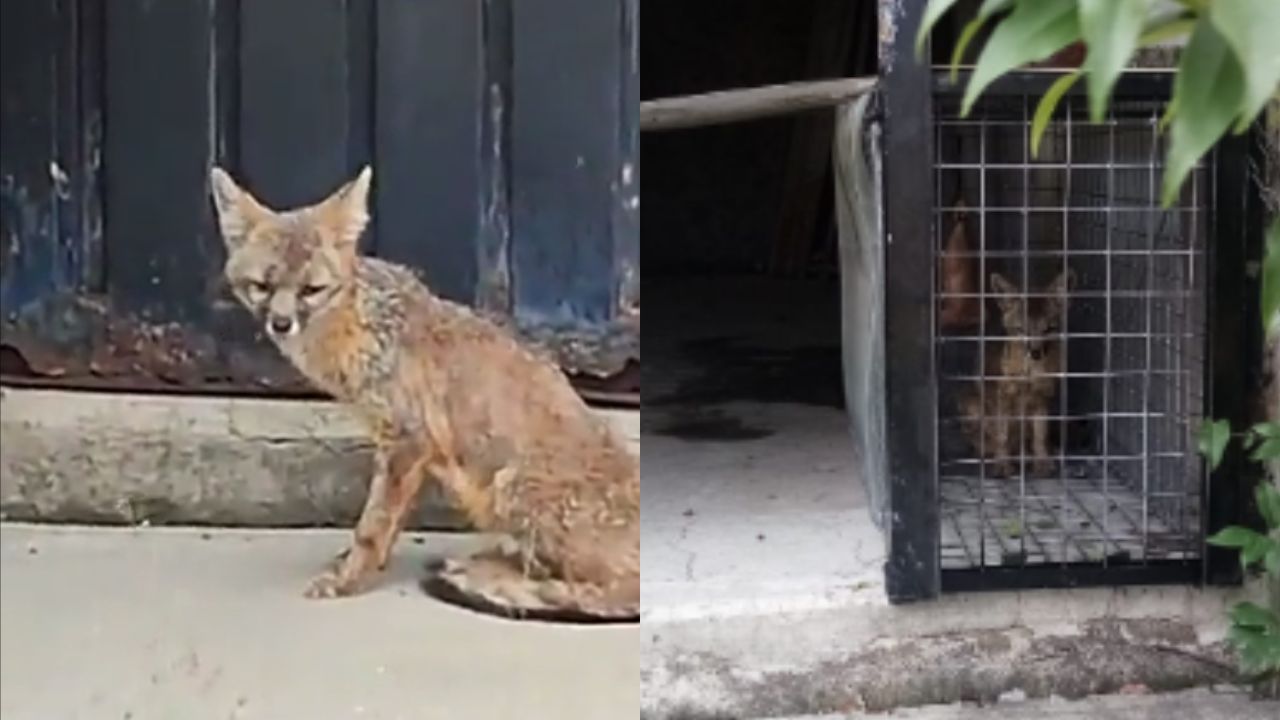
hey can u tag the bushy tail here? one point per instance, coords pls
(495, 585)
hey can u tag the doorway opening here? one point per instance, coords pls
(749, 487)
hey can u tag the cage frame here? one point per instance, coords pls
(913, 512)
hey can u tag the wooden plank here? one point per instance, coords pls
(493, 284)
(295, 129)
(626, 202)
(49, 209)
(29, 260)
(159, 235)
(430, 85)
(565, 159)
(362, 38)
(81, 58)
(226, 84)
(726, 106)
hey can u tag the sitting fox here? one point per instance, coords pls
(1021, 378)
(449, 395)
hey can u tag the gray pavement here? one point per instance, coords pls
(187, 624)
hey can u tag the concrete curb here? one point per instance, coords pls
(870, 656)
(1218, 703)
(120, 458)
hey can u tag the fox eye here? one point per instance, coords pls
(311, 290)
(257, 287)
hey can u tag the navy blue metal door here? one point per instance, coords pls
(502, 136)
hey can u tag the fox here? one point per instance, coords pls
(448, 396)
(1021, 378)
(960, 307)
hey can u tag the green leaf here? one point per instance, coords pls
(1048, 103)
(1252, 29)
(1233, 536)
(1266, 450)
(1259, 651)
(933, 12)
(1247, 614)
(991, 8)
(1111, 29)
(1032, 32)
(1166, 31)
(1272, 561)
(1256, 550)
(971, 29)
(1170, 111)
(1207, 91)
(1214, 435)
(1271, 280)
(1268, 498)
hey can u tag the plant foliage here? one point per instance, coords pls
(1228, 70)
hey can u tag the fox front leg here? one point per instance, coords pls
(1000, 450)
(397, 480)
(1042, 466)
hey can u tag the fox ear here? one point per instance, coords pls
(1064, 283)
(346, 211)
(1060, 289)
(1007, 299)
(1002, 286)
(238, 211)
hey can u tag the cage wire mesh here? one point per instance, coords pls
(1070, 393)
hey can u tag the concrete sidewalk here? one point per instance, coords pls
(1199, 704)
(104, 458)
(191, 624)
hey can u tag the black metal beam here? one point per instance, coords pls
(911, 572)
(1070, 576)
(1234, 340)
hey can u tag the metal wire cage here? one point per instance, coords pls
(1069, 340)
(1044, 385)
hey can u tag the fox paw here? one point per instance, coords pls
(345, 575)
(330, 584)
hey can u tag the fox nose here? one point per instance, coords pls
(280, 325)
(1037, 353)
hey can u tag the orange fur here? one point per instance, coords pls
(1008, 411)
(958, 278)
(448, 396)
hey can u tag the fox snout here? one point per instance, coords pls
(281, 326)
(281, 316)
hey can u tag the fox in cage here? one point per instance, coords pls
(1070, 338)
(1008, 410)
(1021, 381)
